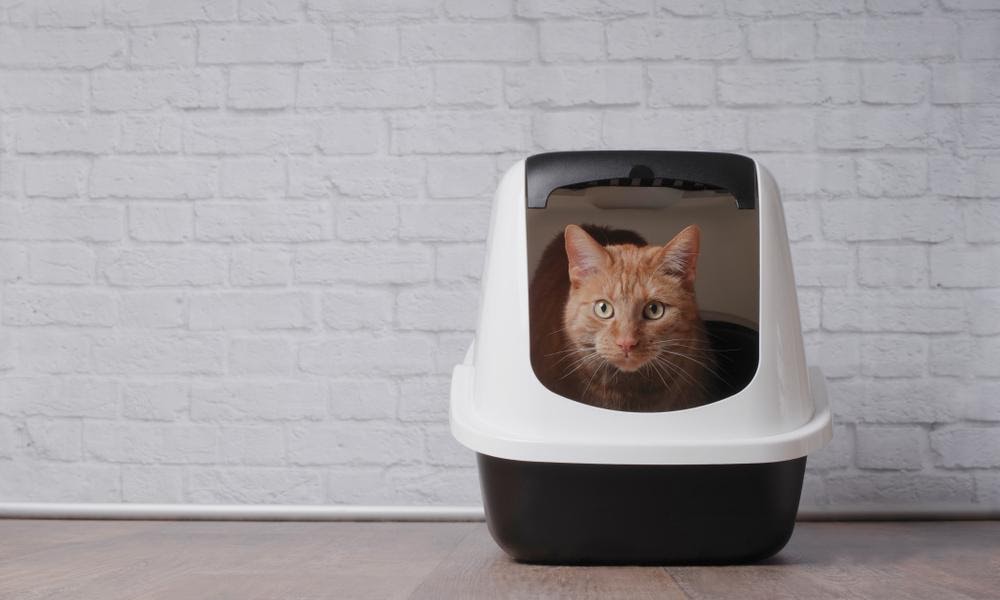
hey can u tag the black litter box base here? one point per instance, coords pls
(637, 514)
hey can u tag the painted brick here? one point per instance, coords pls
(44, 135)
(369, 353)
(570, 41)
(155, 443)
(367, 221)
(461, 133)
(461, 177)
(261, 87)
(58, 13)
(770, 84)
(979, 39)
(826, 266)
(354, 177)
(889, 447)
(355, 46)
(680, 86)
(718, 130)
(162, 47)
(443, 221)
(274, 44)
(277, 11)
(52, 306)
(159, 353)
(358, 133)
(901, 175)
(156, 401)
(363, 399)
(872, 128)
(250, 266)
(966, 447)
(459, 262)
(916, 311)
(42, 91)
(537, 9)
(54, 352)
(432, 309)
(894, 84)
(148, 483)
(273, 400)
(252, 445)
(60, 222)
(153, 178)
(674, 39)
(41, 481)
(951, 356)
(781, 131)
(372, 10)
(214, 135)
(971, 177)
(356, 443)
(463, 85)
(152, 310)
(61, 264)
(898, 38)
(160, 222)
(984, 306)
(152, 89)
(44, 48)
(364, 263)
(893, 355)
(899, 489)
(965, 83)
(892, 401)
(839, 354)
(254, 177)
(892, 266)
(561, 130)
(357, 308)
(163, 266)
(255, 310)
(263, 222)
(965, 266)
(139, 12)
(468, 41)
(149, 134)
(253, 485)
(59, 397)
(784, 8)
(551, 87)
(261, 356)
(981, 126)
(890, 220)
(782, 40)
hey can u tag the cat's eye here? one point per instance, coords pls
(603, 309)
(654, 310)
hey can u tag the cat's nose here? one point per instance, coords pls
(627, 344)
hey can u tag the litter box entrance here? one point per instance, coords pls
(655, 196)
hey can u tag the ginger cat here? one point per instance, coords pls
(614, 321)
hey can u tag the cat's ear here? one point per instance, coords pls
(680, 256)
(586, 255)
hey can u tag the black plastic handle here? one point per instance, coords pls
(546, 172)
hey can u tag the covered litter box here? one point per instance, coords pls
(568, 482)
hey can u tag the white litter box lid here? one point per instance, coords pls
(500, 408)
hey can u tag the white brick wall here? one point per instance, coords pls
(240, 240)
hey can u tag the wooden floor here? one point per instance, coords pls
(218, 560)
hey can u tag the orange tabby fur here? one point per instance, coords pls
(626, 362)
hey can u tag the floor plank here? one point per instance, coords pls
(476, 568)
(115, 560)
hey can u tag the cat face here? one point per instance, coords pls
(630, 304)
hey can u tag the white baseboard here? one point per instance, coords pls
(259, 512)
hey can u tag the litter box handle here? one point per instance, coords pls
(546, 172)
